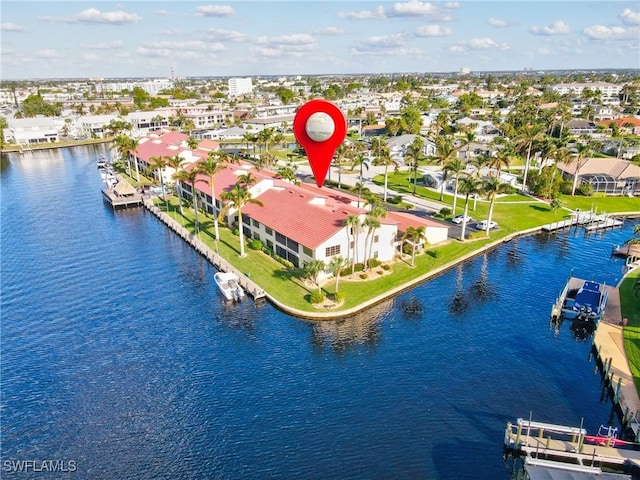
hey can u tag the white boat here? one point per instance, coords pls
(228, 284)
(581, 300)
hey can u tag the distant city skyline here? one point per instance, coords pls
(76, 39)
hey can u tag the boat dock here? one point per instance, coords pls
(590, 221)
(220, 263)
(117, 200)
(560, 308)
(569, 448)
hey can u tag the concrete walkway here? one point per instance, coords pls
(608, 342)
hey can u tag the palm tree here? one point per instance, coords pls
(445, 152)
(468, 138)
(455, 167)
(343, 152)
(124, 144)
(528, 136)
(415, 154)
(417, 235)
(246, 179)
(181, 176)
(383, 157)
(336, 264)
(238, 197)
(583, 150)
(192, 178)
(211, 166)
(192, 143)
(469, 185)
(352, 224)
(312, 271)
(363, 161)
(491, 187)
(159, 164)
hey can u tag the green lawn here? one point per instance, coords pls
(630, 306)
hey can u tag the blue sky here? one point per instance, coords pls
(80, 39)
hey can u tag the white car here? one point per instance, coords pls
(459, 219)
(483, 225)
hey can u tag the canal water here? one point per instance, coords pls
(118, 355)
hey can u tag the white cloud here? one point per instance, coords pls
(161, 12)
(93, 15)
(452, 5)
(49, 53)
(386, 53)
(330, 31)
(214, 10)
(384, 41)
(483, 43)
(415, 8)
(556, 28)
(629, 17)
(295, 45)
(375, 13)
(433, 30)
(11, 27)
(106, 46)
(91, 57)
(296, 39)
(496, 22)
(220, 35)
(602, 32)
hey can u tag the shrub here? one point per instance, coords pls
(585, 190)
(317, 297)
(235, 231)
(435, 253)
(445, 211)
(476, 235)
(599, 195)
(283, 261)
(386, 266)
(254, 244)
(364, 276)
(339, 296)
(380, 272)
(395, 200)
(374, 262)
(359, 267)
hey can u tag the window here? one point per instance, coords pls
(351, 245)
(292, 245)
(281, 239)
(246, 220)
(376, 238)
(269, 244)
(256, 223)
(331, 251)
(268, 231)
(307, 251)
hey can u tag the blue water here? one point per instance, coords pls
(117, 353)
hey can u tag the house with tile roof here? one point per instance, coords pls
(612, 176)
(302, 222)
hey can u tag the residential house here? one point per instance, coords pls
(25, 131)
(612, 176)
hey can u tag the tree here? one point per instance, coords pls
(583, 150)
(336, 264)
(417, 235)
(288, 173)
(361, 160)
(192, 178)
(192, 143)
(181, 176)
(124, 145)
(469, 185)
(413, 156)
(455, 167)
(238, 197)
(383, 157)
(491, 187)
(312, 271)
(352, 225)
(159, 164)
(526, 138)
(445, 152)
(210, 166)
(371, 223)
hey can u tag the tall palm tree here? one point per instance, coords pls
(247, 180)
(445, 152)
(159, 164)
(583, 151)
(467, 140)
(525, 140)
(211, 166)
(238, 197)
(343, 153)
(192, 178)
(469, 185)
(361, 160)
(124, 145)
(383, 157)
(352, 224)
(491, 187)
(413, 156)
(455, 168)
(181, 176)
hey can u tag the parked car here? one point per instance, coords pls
(483, 225)
(460, 218)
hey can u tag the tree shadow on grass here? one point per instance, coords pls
(541, 208)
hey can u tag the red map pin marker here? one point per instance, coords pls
(319, 126)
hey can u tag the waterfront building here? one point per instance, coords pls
(301, 223)
(26, 131)
(612, 176)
